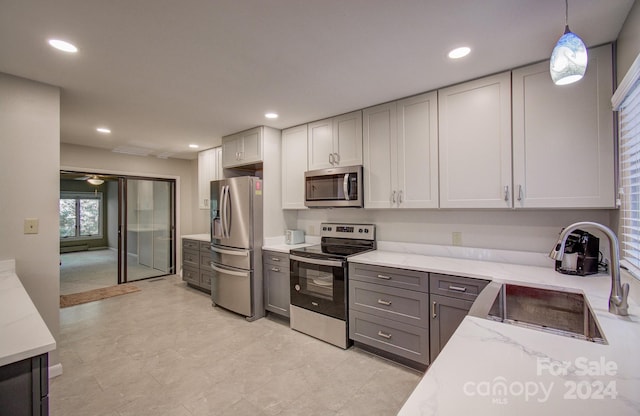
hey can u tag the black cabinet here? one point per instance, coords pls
(24, 387)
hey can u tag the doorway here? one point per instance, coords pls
(114, 229)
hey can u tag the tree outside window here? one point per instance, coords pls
(80, 215)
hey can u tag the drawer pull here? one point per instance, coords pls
(275, 269)
(382, 276)
(433, 310)
(458, 288)
(384, 302)
(275, 258)
(383, 335)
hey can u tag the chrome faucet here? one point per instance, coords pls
(619, 293)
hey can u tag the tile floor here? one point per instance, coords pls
(166, 351)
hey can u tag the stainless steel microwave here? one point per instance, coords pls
(334, 187)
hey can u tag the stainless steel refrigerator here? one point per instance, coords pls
(236, 245)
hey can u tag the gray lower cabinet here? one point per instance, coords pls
(451, 299)
(389, 310)
(277, 297)
(24, 387)
(196, 259)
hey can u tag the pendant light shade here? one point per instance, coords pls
(95, 181)
(569, 57)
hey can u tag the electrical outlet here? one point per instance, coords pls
(31, 226)
(456, 238)
(312, 230)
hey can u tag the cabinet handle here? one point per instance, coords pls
(506, 193)
(383, 335)
(275, 259)
(520, 195)
(393, 197)
(458, 288)
(382, 276)
(336, 157)
(399, 197)
(331, 161)
(384, 302)
(275, 269)
(433, 310)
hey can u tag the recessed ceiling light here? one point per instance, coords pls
(103, 130)
(63, 45)
(458, 53)
(271, 115)
(193, 146)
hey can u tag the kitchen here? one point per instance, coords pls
(492, 229)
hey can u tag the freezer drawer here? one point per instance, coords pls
(231, 289)
(232, 257)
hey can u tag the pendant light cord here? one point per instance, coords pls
(566, 12)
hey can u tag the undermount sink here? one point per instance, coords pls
(553, 311)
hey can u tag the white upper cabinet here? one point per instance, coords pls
(474, 130)
(400, 152)
(563, 140)
(209, 169)
(242, 148)
(335, 142)
(294, 164)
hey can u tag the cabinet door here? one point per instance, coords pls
(251, 151)
(320, 143)
(207, 172)
(418, 152)
(277, 291)
(380, 156)
(563, 139)
(446, 315)
(294, 164)
(347, 139)
(474, 123)
(230, 152)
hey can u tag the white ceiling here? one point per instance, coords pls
(165, 73)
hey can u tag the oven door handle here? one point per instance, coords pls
(319, 262)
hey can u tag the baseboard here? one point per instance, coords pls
(55, 370)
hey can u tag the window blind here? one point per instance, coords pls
(629, 136)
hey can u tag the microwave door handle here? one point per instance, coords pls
(345, 186)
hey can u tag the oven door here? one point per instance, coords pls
(319, 285)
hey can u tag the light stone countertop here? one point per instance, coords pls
(492, 368)
(199, 237)
(23, 333)
(277, 244)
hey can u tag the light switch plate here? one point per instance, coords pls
(31, 226)
(456, 238)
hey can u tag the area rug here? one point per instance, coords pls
(96, 294)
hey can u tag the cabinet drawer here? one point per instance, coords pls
(403, 340)
(191, 275)
(456, 286)
(190, 245)
(276, 259)
(205, 279)
(388, 276)
(205, 259)
(205, 246)
(191, 258)
(401, 305)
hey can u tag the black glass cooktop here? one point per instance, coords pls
(336, 248)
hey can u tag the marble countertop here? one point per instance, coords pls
(490, 368)
(23, 333)
(278, 244)
(199, 237)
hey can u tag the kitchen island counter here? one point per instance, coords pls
(490, 368)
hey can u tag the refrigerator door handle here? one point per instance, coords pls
(225, 213)
(231, 272)
(230, 252)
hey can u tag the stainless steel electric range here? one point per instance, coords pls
(319, 281)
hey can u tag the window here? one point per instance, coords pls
(629, 127)
(80, 215)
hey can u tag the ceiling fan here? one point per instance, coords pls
(93, 179)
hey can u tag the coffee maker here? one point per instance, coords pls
(581, 250)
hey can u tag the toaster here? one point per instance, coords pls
(294, 236)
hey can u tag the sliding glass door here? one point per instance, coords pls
(147, 228)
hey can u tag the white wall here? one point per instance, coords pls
(30, 188)
(499, 229)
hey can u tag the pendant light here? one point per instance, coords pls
(569, 57)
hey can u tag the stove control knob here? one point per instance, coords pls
(366, 230)
(329, 228)
(297, 287)
(360, 230)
